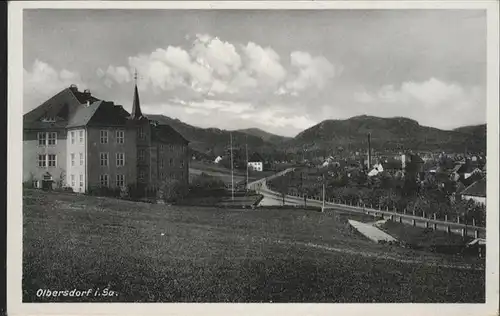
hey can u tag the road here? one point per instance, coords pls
(271, 198)
(274, 198)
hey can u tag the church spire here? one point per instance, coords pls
(136, 106)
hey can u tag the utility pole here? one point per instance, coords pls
(246, 150)
(323, 207)
(232, 174)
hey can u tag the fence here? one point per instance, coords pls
(431, 221)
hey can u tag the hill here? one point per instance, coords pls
(265, 136)
(212, 142)
(387, 134)
(474, 130)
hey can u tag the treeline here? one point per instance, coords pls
(427, 198)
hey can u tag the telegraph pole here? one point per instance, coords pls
(246, 150)
(323, 207)
(232, 174)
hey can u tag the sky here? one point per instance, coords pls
(277, 70)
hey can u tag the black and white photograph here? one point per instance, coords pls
(255, 155)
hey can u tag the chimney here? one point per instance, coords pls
(73, 88)
(369, 151)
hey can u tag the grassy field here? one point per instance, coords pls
(197, 167)
(155, 253)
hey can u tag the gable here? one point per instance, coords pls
(57, 110)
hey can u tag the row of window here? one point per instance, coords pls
(47, 138)
(47, 160)
(73, 184)
(171, 163)
(104, 180)
(119, 136)
(172, 175)
(72, 156)
(104, 159)
(50, 138)
(173, 147)
(50, 160)
(73, 137)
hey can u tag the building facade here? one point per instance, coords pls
(76, 140)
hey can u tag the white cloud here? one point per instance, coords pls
(308, 72)
(119, 74)
(216, 55)
(217, 68)
(263, 64)
(43, 81)
(432, 102)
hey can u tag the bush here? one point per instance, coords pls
(104, 191)
(170, 190)
(204, 182)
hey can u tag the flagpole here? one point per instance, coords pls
(232, 175)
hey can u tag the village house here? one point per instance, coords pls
(255, 162)
(76, 140)
(476, 192)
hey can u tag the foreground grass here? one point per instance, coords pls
(215, 255)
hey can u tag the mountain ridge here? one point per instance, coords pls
(387, 134)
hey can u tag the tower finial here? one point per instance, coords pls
(135, 75)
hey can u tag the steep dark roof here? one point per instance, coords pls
(478, 188)
(61, 107)
(392, 164)
(166, 134)
(136, 106)
(414, 158)
(255, 157)
(83, 115)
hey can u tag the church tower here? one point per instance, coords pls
(136, 105)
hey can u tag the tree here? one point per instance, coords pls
(282, 186)
(170, 190)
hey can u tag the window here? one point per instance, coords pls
(81, 180)
(104, 159)
(162, 164)
(81, 159)
(120, 137)
(104, 137)
(52, 160)
(72, 180)
(142, 135)
(120, 159)
(72, 159)
(42, 161)
(120, 180)
(142, 175)
(72, 137)
(161, 175)
(104, 180)
(142, 155)
(171, 147)
(42, 138)
(171, 162)
(52, 138)
(80, 136)
(182, 163)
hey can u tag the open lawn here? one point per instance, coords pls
(157, 253)
(197, 167)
